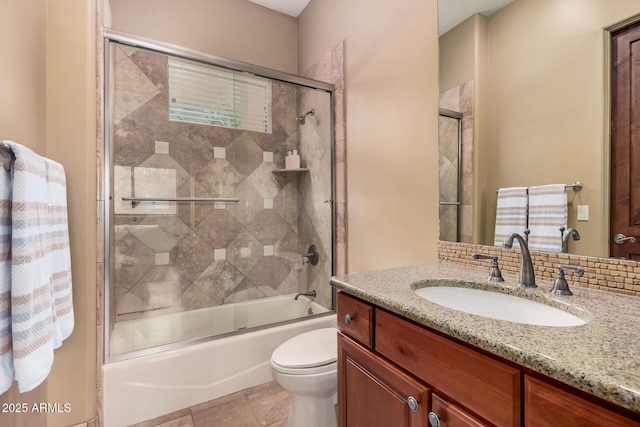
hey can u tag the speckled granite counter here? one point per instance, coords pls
(601, 357)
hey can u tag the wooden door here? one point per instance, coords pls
(625, 143)
(373, 393)
(451, 415)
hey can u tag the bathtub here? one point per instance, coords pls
(151, 385)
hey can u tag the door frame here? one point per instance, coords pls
(606, 151)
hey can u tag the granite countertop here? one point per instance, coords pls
(601, 357)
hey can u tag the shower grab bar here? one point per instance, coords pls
(135, 201)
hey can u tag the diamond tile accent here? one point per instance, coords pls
(219, 228)
(219, 153)
(244, 155)
(267, 250)
(267, 203)
(191, 256)
(268, 227)
(160, 233)
(162, 258)
(219, 254)
(162, 147)
(267, 156)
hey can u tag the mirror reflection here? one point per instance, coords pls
(531, 82)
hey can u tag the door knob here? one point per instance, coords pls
(621, 238)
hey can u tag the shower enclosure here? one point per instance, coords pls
(206, 232)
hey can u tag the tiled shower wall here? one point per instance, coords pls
(460, 99)
(174, 257)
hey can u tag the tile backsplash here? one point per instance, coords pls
(607, 274)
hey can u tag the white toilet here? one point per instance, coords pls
(306, 365)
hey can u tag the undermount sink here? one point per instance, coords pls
(499, 306)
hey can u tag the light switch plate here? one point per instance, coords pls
(583, 213)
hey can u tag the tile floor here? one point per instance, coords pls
(265, 405)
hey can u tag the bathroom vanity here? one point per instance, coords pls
(405, 361)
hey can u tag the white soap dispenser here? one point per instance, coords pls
(295, 160)
(287, 160)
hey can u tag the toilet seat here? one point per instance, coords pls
(312, 352)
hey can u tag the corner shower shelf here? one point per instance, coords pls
(290, 170)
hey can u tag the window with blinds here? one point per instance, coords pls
(218, 97)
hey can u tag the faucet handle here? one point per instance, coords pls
(494, 274)
(560, 286)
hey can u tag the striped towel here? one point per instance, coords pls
(547, 213)
(6, 355)
(511, 214)
(41, 315)
(59, 255)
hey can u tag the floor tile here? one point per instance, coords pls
(180, 418)
(232, 410)
(269, 402)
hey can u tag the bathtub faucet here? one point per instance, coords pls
(306, 294)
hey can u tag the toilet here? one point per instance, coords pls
(306, 365)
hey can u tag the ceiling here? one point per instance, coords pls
(453, 12)
(450, 12)
(288, 7)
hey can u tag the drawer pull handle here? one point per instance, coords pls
(347, 319)
(413, 404)
(434, 420)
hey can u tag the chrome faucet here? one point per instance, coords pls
(572, 232)
(527, 276)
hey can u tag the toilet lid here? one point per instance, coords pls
(307, 350)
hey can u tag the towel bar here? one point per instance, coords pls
(576, 186)
(135, 201)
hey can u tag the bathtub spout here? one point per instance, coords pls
(306, 294)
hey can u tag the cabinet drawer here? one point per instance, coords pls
(355, 318)
(451, 415)
(489, 388)
(548, 405)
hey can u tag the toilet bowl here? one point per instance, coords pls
(306, 365)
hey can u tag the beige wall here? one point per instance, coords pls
(71, 140)
(542, 115)
(23, 119)
(48, 104)
(235, 29)
(391, 97)
(23, 74)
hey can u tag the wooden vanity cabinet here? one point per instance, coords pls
(384, 359)
(547, 405)
(374, 393)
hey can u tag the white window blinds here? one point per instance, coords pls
(218, 97)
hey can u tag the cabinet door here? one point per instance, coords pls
(547, 405)
(451, 415)
(373, 393)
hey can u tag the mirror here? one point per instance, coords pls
(531, 82)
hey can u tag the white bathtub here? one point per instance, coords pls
(146, 387)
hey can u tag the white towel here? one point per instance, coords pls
(31, 320)
(547, 213)
(41, 313)
(511, 214)
(6, 354)
(59, 255)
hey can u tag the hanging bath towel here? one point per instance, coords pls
(59, 255)
(6, 350)
(511, 214)
(547, 214)
(40, 278)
